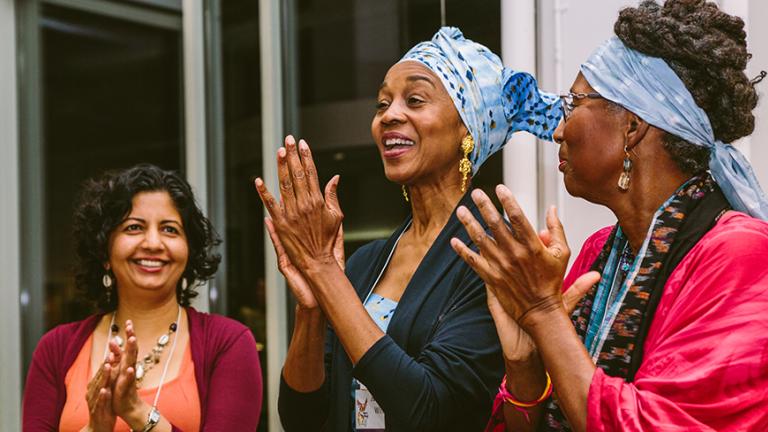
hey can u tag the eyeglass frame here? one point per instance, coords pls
(568, 99)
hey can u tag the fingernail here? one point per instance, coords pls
(259, 182)
(281, 152)
(477, 194)
(290, 139)
(303, 145)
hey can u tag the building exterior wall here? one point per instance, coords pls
(10, 331)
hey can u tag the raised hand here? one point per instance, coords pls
(125, 398)
(524, 270)
(516, 344)
(306, 221)
(99, 398)
(296, 282)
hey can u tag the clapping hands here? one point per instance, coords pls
(112, 393)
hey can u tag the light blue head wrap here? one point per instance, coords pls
(493, 101)
(648, 87)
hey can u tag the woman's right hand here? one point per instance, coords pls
(295, 280)
(99, 398)
(516, 344)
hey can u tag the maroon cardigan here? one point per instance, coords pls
(227, 372)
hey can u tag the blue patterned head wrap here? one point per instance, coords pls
(648, 87)
(493, 101)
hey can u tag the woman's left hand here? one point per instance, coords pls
(305, 220)
(524, 273)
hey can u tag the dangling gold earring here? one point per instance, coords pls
(624, 178)
(465, 165)
(405, 193)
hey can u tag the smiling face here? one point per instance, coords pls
(591, 146)
(148, 251)
(416, 127)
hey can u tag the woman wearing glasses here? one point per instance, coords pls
(673, 335)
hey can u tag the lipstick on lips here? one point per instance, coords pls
(396, 144)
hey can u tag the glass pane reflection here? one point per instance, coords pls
(111, 99)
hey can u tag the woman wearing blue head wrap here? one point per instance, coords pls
(411, 345)
(671, 334)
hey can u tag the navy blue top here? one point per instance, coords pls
(439, 365)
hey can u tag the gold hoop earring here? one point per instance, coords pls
(465, 165)
(624, 178)
(405, 193)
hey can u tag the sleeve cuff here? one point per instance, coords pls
(366, 366)
(289, 396)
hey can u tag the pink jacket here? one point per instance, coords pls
(705, 365)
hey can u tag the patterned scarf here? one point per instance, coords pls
(614, 317)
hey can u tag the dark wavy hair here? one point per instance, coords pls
(105, 202)
(707, 48)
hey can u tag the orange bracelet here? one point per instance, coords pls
(511, 399)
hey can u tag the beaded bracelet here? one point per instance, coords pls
(522, 406)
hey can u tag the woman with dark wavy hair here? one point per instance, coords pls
(147, 360)
(673, 332)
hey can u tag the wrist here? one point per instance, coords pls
(313, 313)
(319, 266)
(312, 316)
(526, 380)
(541, 315)
(320, 274)
(136, 418)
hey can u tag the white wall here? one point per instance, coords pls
(568, 31)
(757, 41)
(10, 340)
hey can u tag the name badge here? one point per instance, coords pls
(368, 414)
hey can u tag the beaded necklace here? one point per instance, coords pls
(153, 357)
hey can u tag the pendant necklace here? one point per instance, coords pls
(152, 358)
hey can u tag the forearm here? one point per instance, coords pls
(304, 368)
(337, 297)
(526, 381)
(567, 361)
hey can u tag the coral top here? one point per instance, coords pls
(179, 402)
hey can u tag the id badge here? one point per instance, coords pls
(368, 414)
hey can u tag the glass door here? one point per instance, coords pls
(101, 88)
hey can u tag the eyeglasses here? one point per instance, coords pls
(569, 98)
